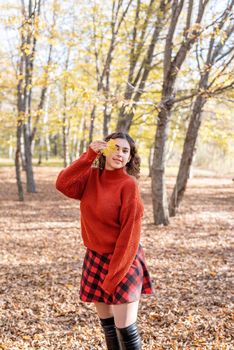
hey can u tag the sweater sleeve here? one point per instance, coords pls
(129, 238)
(72, 180)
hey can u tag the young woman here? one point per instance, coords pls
(114, 273)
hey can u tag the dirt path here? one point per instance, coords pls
(41, 257)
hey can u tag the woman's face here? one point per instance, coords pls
(120, 157)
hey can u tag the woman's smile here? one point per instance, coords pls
(117, 160)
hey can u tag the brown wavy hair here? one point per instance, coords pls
(133, 166)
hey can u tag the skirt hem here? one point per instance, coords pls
(135, 283)
(93, 300)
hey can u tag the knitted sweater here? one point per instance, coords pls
(111, 212)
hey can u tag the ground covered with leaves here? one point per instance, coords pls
(41, 257)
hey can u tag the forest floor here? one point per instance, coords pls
(189, 261)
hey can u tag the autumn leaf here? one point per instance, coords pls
(38, 337)
(26, 337)
(109, 148)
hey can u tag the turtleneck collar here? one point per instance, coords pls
(113, 174)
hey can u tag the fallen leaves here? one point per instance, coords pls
(41, 260)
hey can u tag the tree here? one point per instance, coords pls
(103, 71)
(28, 36)
(140, 67)
(171, 67)
(207, 89)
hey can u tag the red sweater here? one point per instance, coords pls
(111, 212)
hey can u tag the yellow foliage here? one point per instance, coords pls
(71, 43)
(85, 94)
(109, 148)
(21, 117)
(26, 48)
(51, 41)
(223, 37)
(12, 20)
(195, 27)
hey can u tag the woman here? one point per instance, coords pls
(114, 273)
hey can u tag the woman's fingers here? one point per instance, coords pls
(98, 145)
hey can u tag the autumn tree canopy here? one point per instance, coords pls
(71, 72)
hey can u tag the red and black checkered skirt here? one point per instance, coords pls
(95, 267)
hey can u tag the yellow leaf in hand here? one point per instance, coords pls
(109, 148)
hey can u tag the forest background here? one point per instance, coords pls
(72, 72)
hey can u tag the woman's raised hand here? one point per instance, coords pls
(98, 145)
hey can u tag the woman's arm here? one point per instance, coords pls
(71, 181)
(129, 238)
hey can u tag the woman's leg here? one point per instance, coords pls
(105, 314)
(125, 316)
(104, 310)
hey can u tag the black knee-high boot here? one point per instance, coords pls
(112, 341)
(129, 337)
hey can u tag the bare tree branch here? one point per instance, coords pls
(224, 54)
(176, 10)
(188, 19)
(222, 70)
(123, 16)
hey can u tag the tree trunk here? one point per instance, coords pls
(20, 117)
(150, 160)
(47, 143)
(124, 121)
(159, 195)
(66, 121)
(41, 146)
(22, 153)
(65, 141)
(17, 161)
(54, 144)
(31, 187)
(82, 141)
(195, 119)
(187, 156)
(106, 119)
(171, 67)
(44, 143)
(91, 129)
(24, 90)
(79, 140)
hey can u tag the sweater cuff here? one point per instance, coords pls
(91, 153)
(107, 286)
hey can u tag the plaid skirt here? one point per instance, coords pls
(95, 267)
